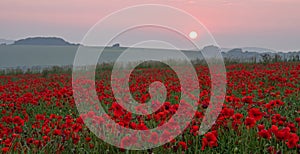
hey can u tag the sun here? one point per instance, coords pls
(193, 35)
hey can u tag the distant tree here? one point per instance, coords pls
(117, 45)
(277, 58)
(297, 58)
(266, 58)
(253, 59)
(291, 58)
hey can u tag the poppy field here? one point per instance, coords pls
(260, 114)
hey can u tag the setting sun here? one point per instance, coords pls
(193, 35)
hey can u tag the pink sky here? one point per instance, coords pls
(234, 23)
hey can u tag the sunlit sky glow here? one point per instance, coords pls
(270, 24)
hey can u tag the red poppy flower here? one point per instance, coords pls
(271, 150)
(250, 122)
(154, 138)
(75, 138)
(18, 129)
(128, 141)
(57, 132)
(273, 129)
(91, 145)
(194, 129)
(46, 138)
(237, 116)
(210, 140)
(88, 139)
(292, 140)
(283, 134)
(264, 134)
(182, 145)
(255, 113)
(247, 99)
(40, 117)
(5, 149)
(18, 120)
(260, 127)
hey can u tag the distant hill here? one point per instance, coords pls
(249, 49)
(12, 56)
(6, 42)
(243, 55)
(259, 50)
(55, 41)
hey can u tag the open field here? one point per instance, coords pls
(261, 112)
